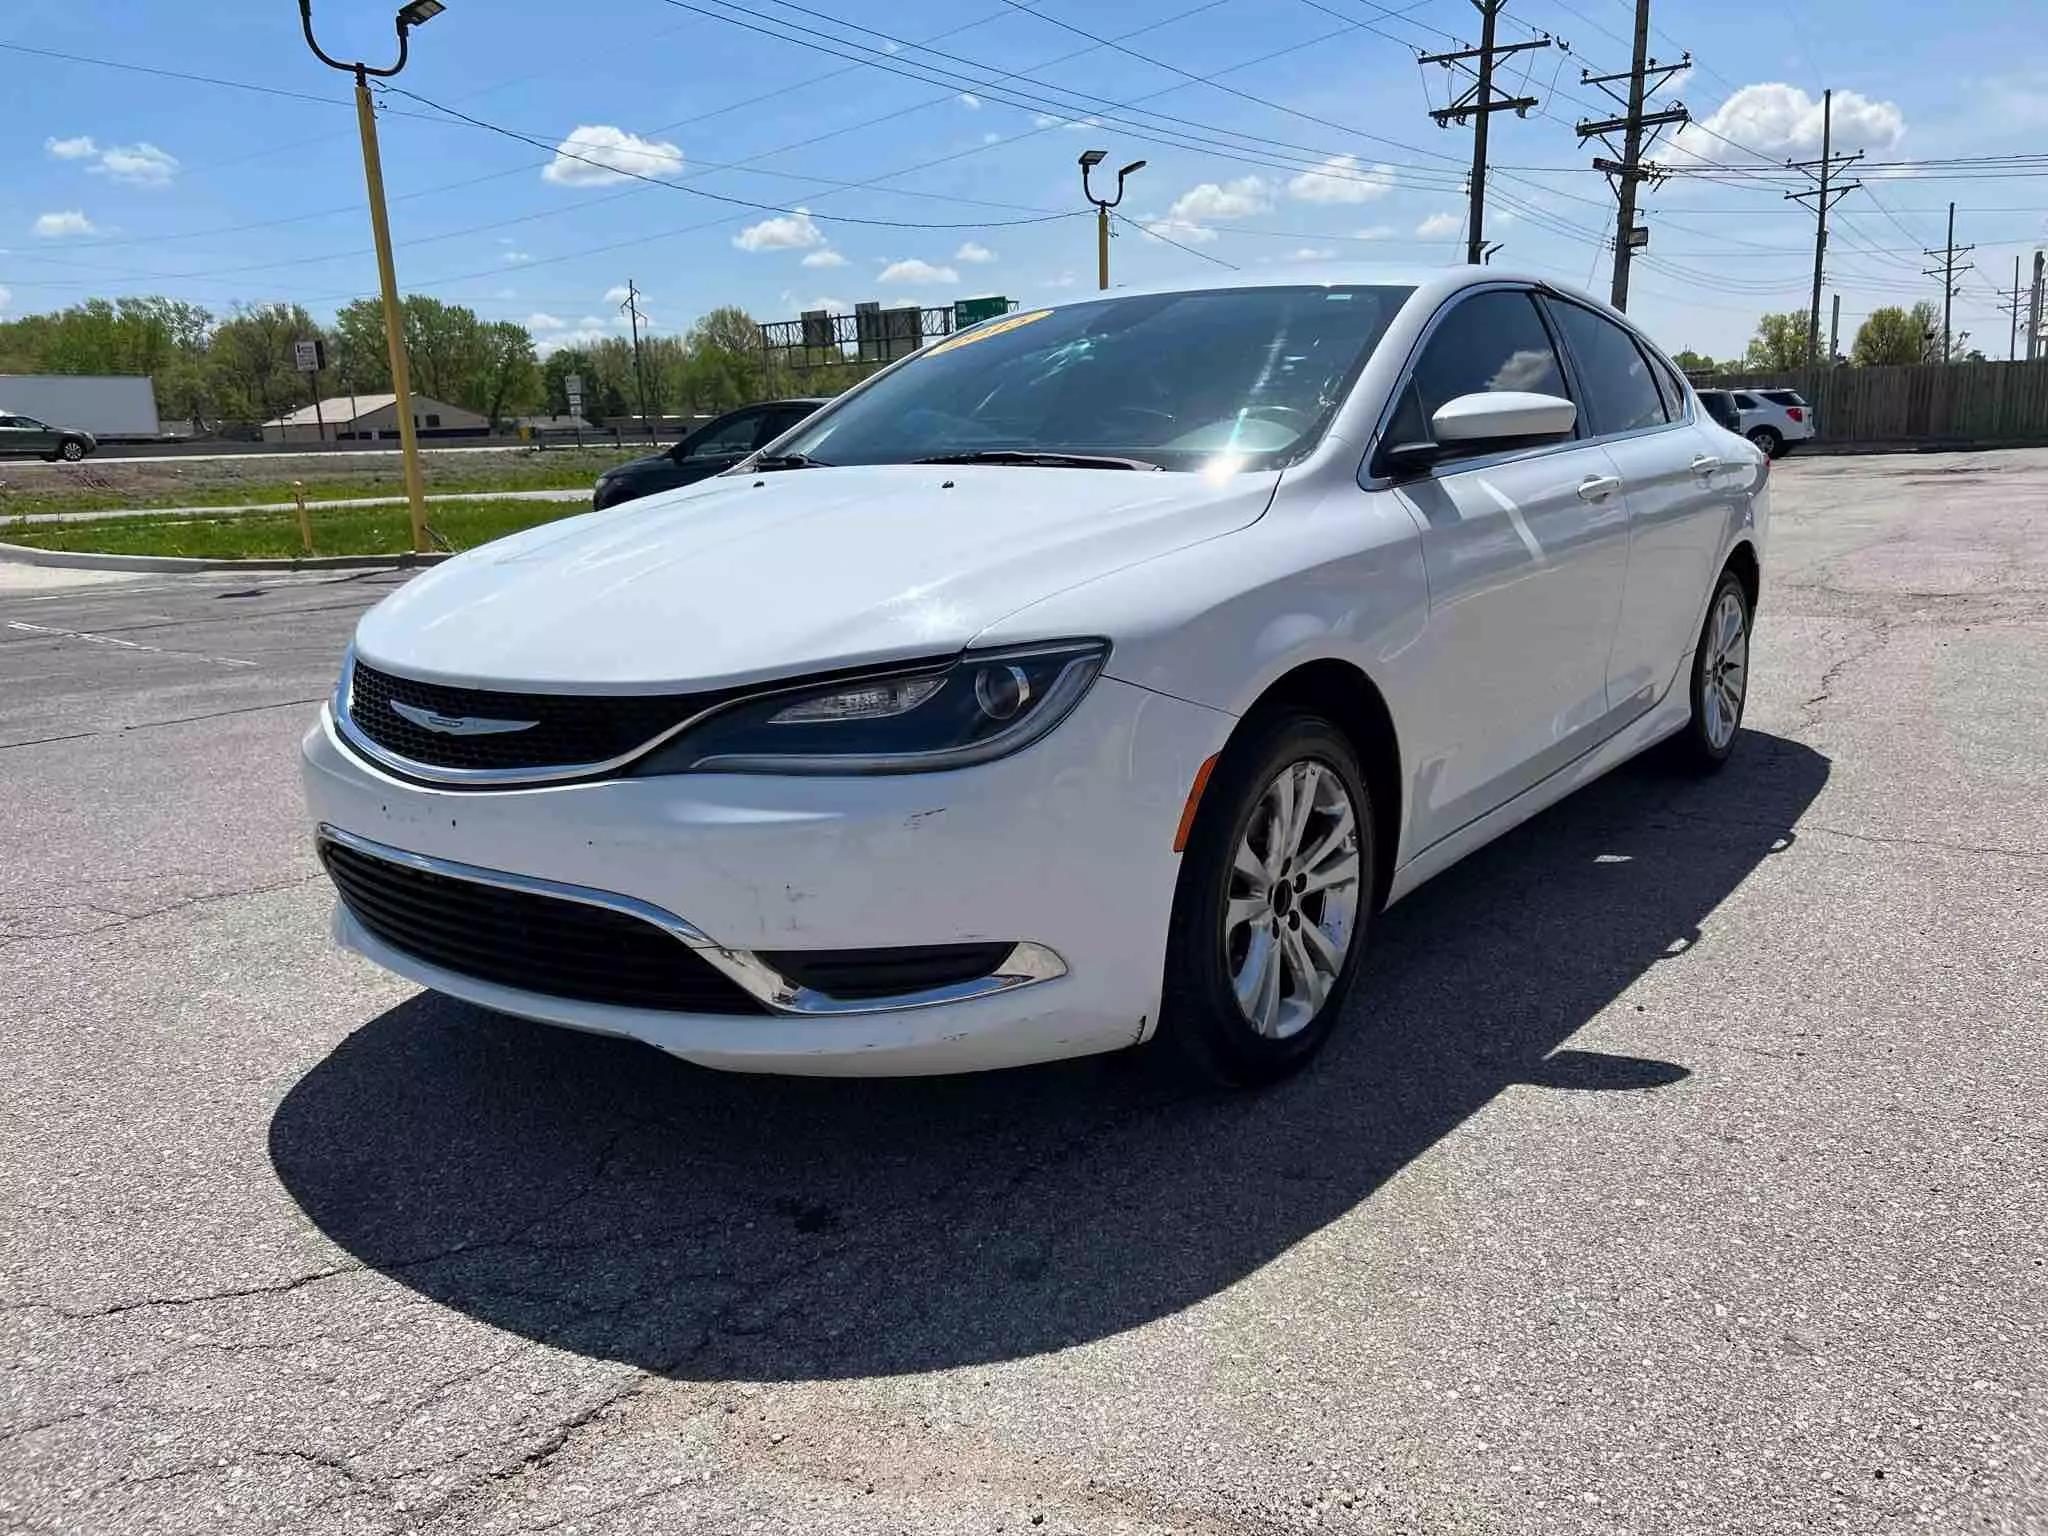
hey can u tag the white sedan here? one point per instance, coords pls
(1100, 672)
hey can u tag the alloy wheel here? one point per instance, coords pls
(1290, 914)
(1724, 674)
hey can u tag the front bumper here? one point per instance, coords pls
(1067, 845)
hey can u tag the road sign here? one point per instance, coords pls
(309, 356)
(1639, 237)
(968, 312)
(573, 384)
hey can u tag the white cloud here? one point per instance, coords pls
(785, 232)
(55, 226)
(975, 252)
(970, 101)
(141, 164)
(913, 271)
(830, 306)
(1340, 179)
(597, 153)
(826, 257)
(1064, 280)
(1315, 253)
(518, 258)
(1214, 200)
(618, 293)
(539, 321)
(1186, 234)
(1047, 120)
(991, 137)
(1438, 226)
(1376, 232)
(1782, 121)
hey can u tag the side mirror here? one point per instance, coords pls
(1502, 415)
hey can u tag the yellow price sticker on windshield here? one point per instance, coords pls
(983, 332)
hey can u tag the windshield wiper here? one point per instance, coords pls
(789, 461)
(1038, 457)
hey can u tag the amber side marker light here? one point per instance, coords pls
(1187, 815)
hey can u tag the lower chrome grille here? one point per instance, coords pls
(528, 941)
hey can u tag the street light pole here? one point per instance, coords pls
(409, 16)
(1090, 158)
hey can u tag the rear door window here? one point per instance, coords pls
(1785, 397)
(1745, 402)
(1621, 392)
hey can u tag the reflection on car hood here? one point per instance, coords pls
(748, 577)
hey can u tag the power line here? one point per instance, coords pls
(1478, 103)
(1639, 130)
(1947, 273)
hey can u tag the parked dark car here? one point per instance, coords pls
(1720, 404)
(22, 436)
(717, 445)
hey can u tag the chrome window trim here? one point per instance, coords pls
(1025, 965)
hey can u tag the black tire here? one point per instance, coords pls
(71, 450)
(1768, 440)
(1200, 1016)
(1695, 747)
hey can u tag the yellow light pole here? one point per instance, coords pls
(414, 14)
(1090, 158)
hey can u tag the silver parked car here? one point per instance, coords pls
(25, 437)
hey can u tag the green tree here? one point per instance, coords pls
(504, 375)
(1892, 335)
(1694, 362)
(252, 374)
(1779, 343)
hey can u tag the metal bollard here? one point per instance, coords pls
(305, 520)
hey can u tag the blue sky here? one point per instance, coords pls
(126, 183)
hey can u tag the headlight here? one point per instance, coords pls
(917, 720)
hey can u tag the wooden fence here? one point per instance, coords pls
(1923, 403)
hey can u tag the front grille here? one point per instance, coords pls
(568, 729)
(535, 943)
(851, 974)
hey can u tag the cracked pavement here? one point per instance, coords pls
(1683, 1166)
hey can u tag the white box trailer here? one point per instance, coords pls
(104, 404)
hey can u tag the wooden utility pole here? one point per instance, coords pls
(632, 309)
(1645, 76)
(1835, 332)
(1479, 102)
(1947, 273)
(1825, 195)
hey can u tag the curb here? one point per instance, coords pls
(83, 560)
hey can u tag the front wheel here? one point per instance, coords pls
(1769, 441)
(1720, 679)
(1273, 902)
(71, 451)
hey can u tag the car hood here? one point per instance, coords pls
(743, 578)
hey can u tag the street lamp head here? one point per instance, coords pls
(1090, 158)
(1135, 165)
(417, 13)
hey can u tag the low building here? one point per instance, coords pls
(359, 418)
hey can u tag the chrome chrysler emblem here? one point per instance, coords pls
(459, 725)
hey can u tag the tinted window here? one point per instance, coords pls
(1746, 402)
(1249, 376)
(775, 423)
(1785, 396)
(733, 435)
(1621, 395)
(1491, 341)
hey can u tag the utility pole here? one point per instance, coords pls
(2034, 311)
(1825, 195)
(632, 309)
(1947, 273)
(1645, 76)
(1835, 332)
(414, 13)
(2012, 344)
(1091, 158)
(1479, 102)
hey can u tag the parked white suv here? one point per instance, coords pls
(1774, 419)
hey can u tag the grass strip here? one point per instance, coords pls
(262, 535)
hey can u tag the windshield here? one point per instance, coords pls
(1175, 380)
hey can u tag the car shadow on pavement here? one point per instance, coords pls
(604, 1198)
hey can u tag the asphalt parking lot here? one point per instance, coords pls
(1684, 1167)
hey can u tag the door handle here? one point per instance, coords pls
(1598, 487)
(1705, 465)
